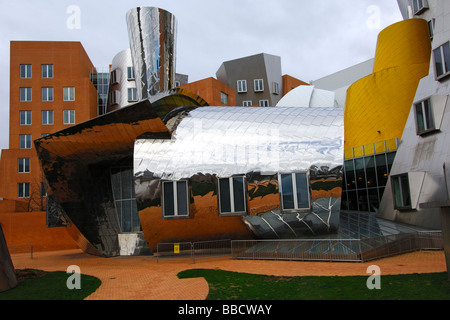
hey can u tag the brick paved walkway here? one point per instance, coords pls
(142, 278)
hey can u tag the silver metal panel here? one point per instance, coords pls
(152, 35)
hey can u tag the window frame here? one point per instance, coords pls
(258, 85)
(47, 113)
(26, 142)
(28, 71)
(403, 206)
(70, 93)
(69, 112)
(294, 191)
(419, 9)
(45, 94)
(23, 190)
(425, 105)
(28, 119)
(241, 86)
(275, 87)
(48, 68)
(445, 68)
(230, 190)
(130, 74)
(133, 96)
(223, 98)
(28, 94)
(247, 103)
(23, 165)
(264, 103)
(176, 214)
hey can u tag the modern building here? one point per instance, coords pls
(214, 92)
(417, 183)
(47, 94)
(256, 79)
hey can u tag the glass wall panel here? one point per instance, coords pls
(182, 198)
(302, 190)
(238, 193)
(287, 191)
(225, 199)
(360, 174)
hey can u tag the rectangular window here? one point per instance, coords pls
(424, 117)
(241, 86)
(47, 71)
(23, 190)
(132, 94)
(175, 199)
(232, 195)
(25, 94)
(400, 189)
(69, 94)
(130, 73)
(442, 60)
(431, 25)
(47, 116)
(69, 116)
(25, 117)
(276, 88)
(24, 165)
(259, 85)
(25, 71)
(223, 98)
(47, 94)
(25, 141)
(420, 6)
(294, 189)
(263, 103)
(247, 103)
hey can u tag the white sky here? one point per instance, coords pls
(313, 38)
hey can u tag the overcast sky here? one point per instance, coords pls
(313, 38)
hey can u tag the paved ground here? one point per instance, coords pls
(143, 278)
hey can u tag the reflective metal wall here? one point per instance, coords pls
(152, 35)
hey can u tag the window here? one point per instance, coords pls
(47, 94)
(175, 199)
(177, 83)
(420, 6)
(247, 103)
(241, 86)
(69, 94)
(424, 117)
(47, 71)
(25, 117)
(259, 85)
(223, 98)
(24, 165)
(25, 71)
(232, 195)
(114, 97)
(130, 73)
(69, 116)
(25, 94)
(132, 94)
(113, 78)
(47, 116)
(276, 88)
(23, 190)
(263, 103)
(442, 60)
(294, 191)
(25, 141)
(431, 25)
(400, 189)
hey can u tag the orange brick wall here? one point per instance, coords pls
(22, 228)
(209, 89)
(290, 83)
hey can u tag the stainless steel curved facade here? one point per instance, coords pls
(152, 34)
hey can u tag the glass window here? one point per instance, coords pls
(223, 98)
(25, 117)
(360, 174)
(24, 165)
(175, 199)
(263, 103)
(132, 94)
(23, 190)
(47, 71)
(442, 60)
(232, 195)
(276, 88)
(424, 117)
(400, 188)
(247, 103)
(69, 94)
(25, 94)
(69, 116)
(241, 86)
(370, 172)
(47, 94)
(25, 71)
(294, 191)
(130, 73)
(419, 6)
(25, 141)
(259, 85)
(350, 174)
(47, 117)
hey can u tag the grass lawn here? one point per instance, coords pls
(226, 285)
(38, 285)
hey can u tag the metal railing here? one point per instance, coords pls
(193, 250)
(21, 250)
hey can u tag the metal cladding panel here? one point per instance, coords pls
(152, 34)
(258, 143)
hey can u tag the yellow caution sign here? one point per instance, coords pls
(176, 248)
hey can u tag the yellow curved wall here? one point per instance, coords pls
(378, 105)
